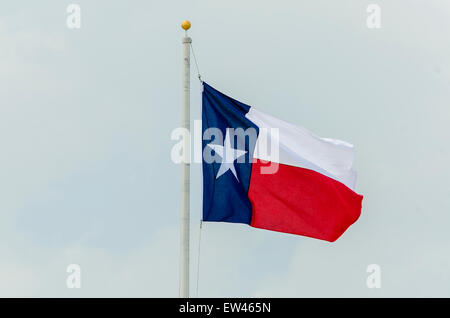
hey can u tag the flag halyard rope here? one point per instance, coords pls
(198, 255)
(196, 64)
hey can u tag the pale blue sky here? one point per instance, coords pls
(85, 123)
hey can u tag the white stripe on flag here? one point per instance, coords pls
(301, 148)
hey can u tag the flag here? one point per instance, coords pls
(270, 174)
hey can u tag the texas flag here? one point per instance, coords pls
(270, 174)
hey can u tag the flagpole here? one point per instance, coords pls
(185, 168)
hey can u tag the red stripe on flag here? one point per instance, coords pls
(301, 201)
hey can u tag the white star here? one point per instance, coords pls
(228, 155)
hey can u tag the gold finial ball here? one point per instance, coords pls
(186, 25)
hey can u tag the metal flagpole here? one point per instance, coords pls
(185, 168)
